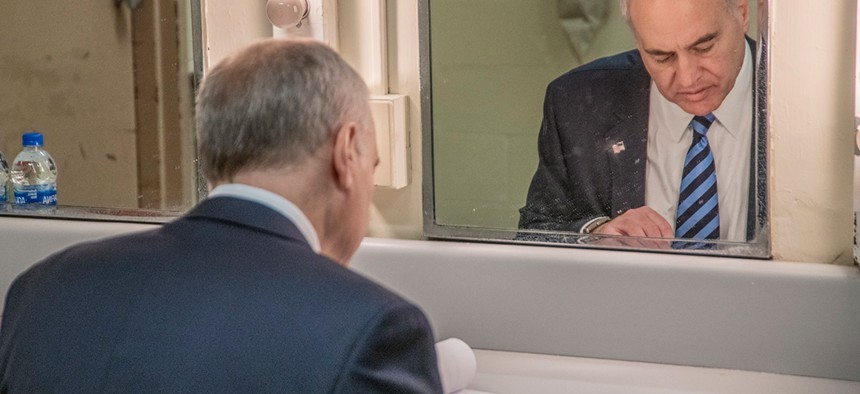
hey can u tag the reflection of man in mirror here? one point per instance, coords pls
(657, 141)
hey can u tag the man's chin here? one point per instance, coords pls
(700, 108)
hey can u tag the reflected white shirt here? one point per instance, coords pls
(730, 138)
(274, 201)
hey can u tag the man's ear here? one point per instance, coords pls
(344, 155)
(744, 14)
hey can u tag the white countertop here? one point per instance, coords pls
(524, 373)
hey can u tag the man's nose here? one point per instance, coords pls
(688, 71)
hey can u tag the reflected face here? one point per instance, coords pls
(693, 49)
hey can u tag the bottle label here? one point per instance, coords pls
(44, 194)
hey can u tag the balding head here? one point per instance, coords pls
(273, 105)
(731, 6)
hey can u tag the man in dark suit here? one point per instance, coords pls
(616, 131)
(249, 291)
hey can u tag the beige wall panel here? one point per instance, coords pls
(812, 118)
(66, 70)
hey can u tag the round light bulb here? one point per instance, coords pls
(286, 13)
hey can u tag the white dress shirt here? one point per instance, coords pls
(730, 138)
(274, 201)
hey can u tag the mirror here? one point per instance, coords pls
(110, 85)
(485, 72)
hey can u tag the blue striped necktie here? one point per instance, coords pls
(698, 215)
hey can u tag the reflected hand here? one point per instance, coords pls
(638, 222)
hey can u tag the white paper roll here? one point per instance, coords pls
(457, 364)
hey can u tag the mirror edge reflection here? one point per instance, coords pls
(197, 49)
(69, 212)
(431, 229)
(759, 247)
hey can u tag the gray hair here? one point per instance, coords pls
(274, 104)
(731, 6)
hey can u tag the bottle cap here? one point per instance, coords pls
(32, 139)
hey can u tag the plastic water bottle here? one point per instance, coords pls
(34, 175)
(4, 180)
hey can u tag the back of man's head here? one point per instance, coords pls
(272, 105)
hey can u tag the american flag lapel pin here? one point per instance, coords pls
(618, 147)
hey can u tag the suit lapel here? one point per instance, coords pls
(627, 144)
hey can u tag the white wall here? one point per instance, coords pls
(230, 25)
(812, 123)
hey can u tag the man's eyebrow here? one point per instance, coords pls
(703, 39)
(706, 38)
(658, 52)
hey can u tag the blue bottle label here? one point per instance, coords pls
(45, 194)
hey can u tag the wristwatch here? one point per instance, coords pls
(593, 224)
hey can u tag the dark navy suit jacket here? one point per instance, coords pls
(228, 298)
(582, 173)
(579, 177)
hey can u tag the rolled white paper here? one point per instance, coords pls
(457, 364)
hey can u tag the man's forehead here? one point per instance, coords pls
(662, 12)
(658, 4)
(676, 23)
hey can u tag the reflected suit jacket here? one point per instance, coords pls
(592, 146)
(228, 298)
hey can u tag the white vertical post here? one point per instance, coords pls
(360, 35)
(364, 42)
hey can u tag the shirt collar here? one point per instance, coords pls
(729, 114)
(273, 201)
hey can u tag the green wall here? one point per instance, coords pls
(491, 63)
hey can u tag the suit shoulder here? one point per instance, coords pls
(612, 69)
(629, 60)
(89, 251)
(361, 288)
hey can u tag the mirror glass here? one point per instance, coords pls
(110, 85)
(486, 67)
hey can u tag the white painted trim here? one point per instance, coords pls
(364, 42)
